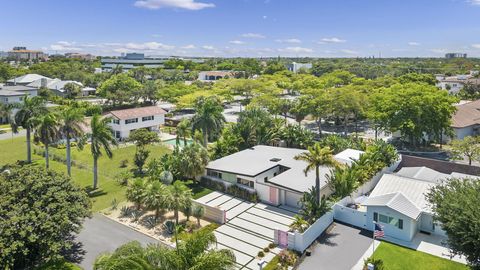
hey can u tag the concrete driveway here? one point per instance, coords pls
(339, 249)
(101, 234)
(249, 228)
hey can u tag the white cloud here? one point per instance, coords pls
(252, 35)
(331, 40)
(289, 40)
(348, 51)
(296, 50)
(476, 46)
(189, 47)
(236, 42)
(438, 50)
(65, 46)
(474, 2)
(264, 17)
(183, 4)
(208, 47)
(413, 43)
(148, 46)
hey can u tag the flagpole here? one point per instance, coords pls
(373, 245)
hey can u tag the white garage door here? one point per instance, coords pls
(292, 199)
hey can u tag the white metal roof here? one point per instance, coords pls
(253, 161)
(423, 173)
(396, 201)
(348, 156)
(27, 78)
(412, 189)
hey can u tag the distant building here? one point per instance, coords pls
(295, 67)
(130, 61)
(81, 56)
(57, 86)
(134, 60)
(3, 54)
(466, 120)
(125, 121)
(455, 55)
(21, 53)
(210, 76)
(453, 84)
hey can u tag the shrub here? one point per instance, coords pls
(271, 245)
(114, 204)
(126, 211)
(124, 163)
(266, 250)
(378, 263)
(261, 254)
(169, 226)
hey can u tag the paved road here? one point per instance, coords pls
(101, 234)
(8, 135)
(340, 249)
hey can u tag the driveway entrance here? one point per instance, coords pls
(249, 228)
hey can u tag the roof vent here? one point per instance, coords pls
(275, 159)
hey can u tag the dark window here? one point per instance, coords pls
(375, 216)
(265, 179)
(116, 121)
(147, 118)
(274, 174)
(400, 224)
(251, 184)
(130, 121)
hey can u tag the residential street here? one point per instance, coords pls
(339, 249)
(8, 135)
(101, 234)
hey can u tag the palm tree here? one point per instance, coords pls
(208, 116)
(101, 137)
(315, 157)
(183, 131)
(46, 132)
(6, 112)
(71, 127)
(30, 108)
(194, 158)
(136, 192)
(180, 197)
(197, 212)
(299, 224)
(194, 252)
(155, 198)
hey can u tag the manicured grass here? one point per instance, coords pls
(108, 169)
(398, 258)
(198, 190)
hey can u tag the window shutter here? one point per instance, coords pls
(375, 216)
(400, 224)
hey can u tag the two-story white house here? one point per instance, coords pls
(125, 121)
(273, 173)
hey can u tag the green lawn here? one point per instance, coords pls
(398, 258)
(198, 190)
(15, 149)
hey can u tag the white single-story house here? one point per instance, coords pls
(466, 120)
(398, 202)
(272, 172)
(128, 120)
(25, 79)
(211, 76)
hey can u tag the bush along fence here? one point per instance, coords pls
(229, 189)
(300, 241)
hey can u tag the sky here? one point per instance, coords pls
(250, 28)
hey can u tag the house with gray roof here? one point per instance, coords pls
(398, 202)
(273, 172)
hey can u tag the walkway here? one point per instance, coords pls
(249, 228)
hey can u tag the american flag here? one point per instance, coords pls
(378, 233)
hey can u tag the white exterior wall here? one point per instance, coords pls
(455, 87)
(461, 133)
(126, 128)
(410, 226)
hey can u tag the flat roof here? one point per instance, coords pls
(256, 160)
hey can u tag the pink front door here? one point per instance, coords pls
(274, 196)
(282, 238)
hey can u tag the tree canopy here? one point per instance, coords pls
(40, 211)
